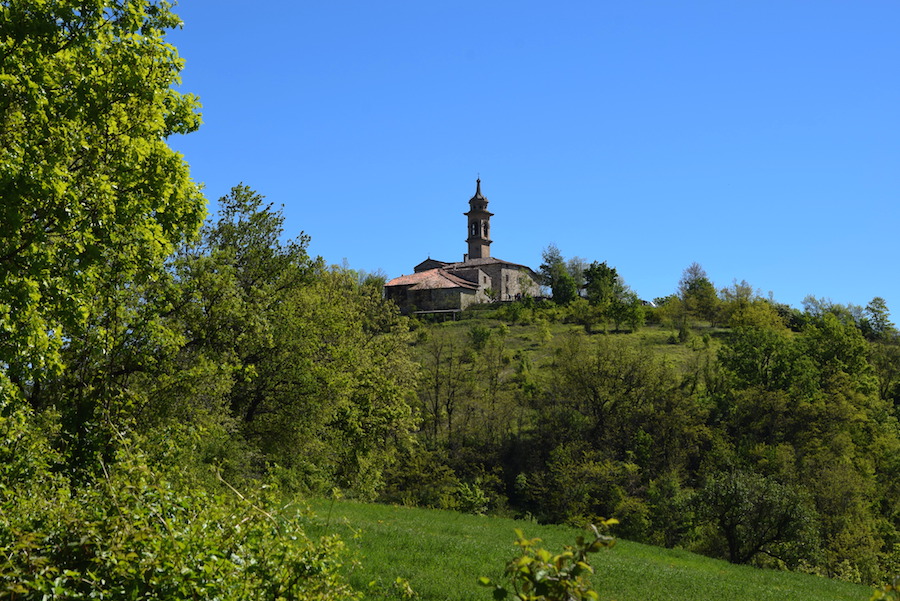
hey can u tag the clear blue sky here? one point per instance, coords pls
(759, 139)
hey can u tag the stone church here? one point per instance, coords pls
(442, 287)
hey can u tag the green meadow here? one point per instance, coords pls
(402, 553)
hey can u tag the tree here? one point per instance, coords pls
(877, 324)
(603, 285)
(446, 383)
(754, 514)
(606, 290)
(628, 309)
(551, 266)
(576, 266)
(316, 370)
(564, 289)
(698, 293)
(91, 191)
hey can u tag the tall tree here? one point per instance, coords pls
(576, 267)
(603, 284)
(91, 191)
(552, 264)
(555, 275)
(697, 293)
(316, 371)
(877, 324)
(615, 301)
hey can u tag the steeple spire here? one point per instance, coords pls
(478, 225)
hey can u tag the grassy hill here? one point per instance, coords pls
(440, 554)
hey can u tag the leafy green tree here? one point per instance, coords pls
(576, 266)
(885, 361)
(877, 324)
(552, 264)
(564, 289)
(628, 309)
(697, 293)
(612, 299)
(91, 190)
(492, 387)
(625, 401)
(837, 346)
(602, 283)
(556, 276)
(758, 356)
(755, 514)
(318, 375)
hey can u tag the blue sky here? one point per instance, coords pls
(759, 139)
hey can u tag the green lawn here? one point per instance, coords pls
(442, 553)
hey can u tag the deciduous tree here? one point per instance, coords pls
(88, 182)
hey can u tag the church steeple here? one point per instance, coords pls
(479, 227)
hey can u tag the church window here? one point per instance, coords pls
(485, 229)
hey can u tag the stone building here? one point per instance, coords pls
(439, 286)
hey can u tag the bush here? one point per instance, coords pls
(538, 575)
(421, 479)
(888, 592)
(137, 532)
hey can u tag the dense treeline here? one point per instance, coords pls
(767, 435)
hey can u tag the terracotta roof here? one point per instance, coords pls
(432, 279)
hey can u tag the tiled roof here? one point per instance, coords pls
(432, 279)
(480, 262)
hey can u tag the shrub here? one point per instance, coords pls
(137, 532)
(538, 575)
(888, 592)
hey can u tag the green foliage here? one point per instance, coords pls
(552, 266)
(603, 284)
(757, 514)
(310, 364)
(140, 532)
(538, 575)
(625, 425)
(479, 334)
(877, 324)
(564, 289)
(698, 294)
(888, 592)
(471, 499)
(93, 197)
(419, 478)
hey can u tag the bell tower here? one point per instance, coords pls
(479, 219)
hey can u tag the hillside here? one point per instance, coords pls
(440, 554)
(747, 430)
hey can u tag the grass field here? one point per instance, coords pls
(440, 554)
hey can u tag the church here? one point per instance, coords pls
(437, 287)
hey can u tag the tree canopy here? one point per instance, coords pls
(88, 182)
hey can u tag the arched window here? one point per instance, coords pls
(485, 229)
(474, 228)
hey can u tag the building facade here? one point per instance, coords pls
(440, 286)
